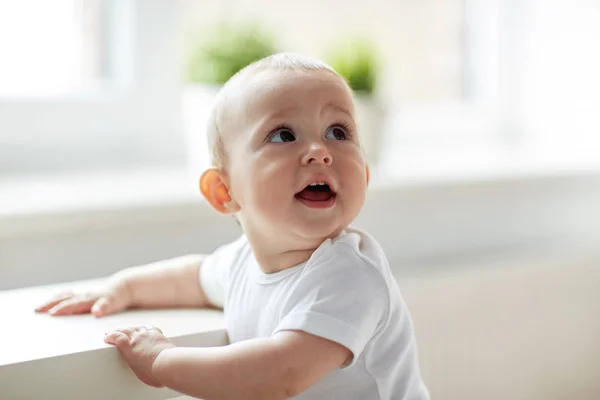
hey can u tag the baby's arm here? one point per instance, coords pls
(268, 368)
(169, 283)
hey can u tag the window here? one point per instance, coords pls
(105, 93)
(531, 89)
(55, 50)
(95, 84)
(561, 84)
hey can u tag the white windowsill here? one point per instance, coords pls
(66, 356)
(38, 203)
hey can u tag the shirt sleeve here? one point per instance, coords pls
(342, 298)
(215, 271)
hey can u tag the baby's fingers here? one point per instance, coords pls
(53, 301)
(117, 338)
(107, 305)
(74, 305)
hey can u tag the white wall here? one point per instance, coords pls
(521, 330)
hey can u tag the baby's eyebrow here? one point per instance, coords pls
(268, 119)
(280, 113)
(337, 107)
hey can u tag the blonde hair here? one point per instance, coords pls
(281, 61)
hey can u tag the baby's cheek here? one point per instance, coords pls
(238, 188)
(270, 200)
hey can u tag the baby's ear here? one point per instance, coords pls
(215, 191)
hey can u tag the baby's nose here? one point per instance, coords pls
(317, 153)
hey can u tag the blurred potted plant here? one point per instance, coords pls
(357, 61)
(211, 61)
(228, 49)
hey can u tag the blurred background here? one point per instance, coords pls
(481, 126)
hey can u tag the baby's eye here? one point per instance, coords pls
(336, 133)
(282, 135)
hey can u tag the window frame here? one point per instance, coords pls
(103, 128)
(480, 118)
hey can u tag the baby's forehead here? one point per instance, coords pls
(271, 79)
(263, 90)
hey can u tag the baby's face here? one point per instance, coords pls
(296, 167)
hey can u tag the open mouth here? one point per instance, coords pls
(317, 195)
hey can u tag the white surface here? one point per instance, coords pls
(66, 357)
(74, 192)
(55, 336)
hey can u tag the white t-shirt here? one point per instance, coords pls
(344, 292)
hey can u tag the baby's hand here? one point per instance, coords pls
(140, 346)
(110, 300)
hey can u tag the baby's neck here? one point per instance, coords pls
(271, 263)
(273, 259)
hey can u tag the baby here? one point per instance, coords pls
(312, 309)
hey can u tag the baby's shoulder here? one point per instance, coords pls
(354, 252)
(356, 245)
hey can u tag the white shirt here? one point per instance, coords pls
(344, 292)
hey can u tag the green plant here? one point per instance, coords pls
(357, 62)
(228, 49)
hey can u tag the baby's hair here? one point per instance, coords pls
(281, 61)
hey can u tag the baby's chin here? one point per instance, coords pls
(319, 229)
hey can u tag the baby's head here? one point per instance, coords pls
(286, 154)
